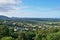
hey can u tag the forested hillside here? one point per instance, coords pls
(29, 30)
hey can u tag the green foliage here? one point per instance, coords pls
(54, 36)
(2, 29)
(7, 38)
(6, 33)
(30, 35)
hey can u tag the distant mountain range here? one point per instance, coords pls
(26, 19)
(4, 17)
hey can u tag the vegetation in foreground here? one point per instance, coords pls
(7, 32)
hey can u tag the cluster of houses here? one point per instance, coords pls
(32, 28)
(28, 26)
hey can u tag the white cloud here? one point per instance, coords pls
(10, 1)
(7, 1)
(9, 7)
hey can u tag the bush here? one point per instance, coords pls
(7, 38)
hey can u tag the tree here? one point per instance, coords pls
(54, 36)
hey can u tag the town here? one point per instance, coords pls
(29, 30)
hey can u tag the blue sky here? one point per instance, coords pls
(31, 8)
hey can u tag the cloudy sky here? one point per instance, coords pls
(30, 8)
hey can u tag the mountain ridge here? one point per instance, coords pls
(25, 19)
